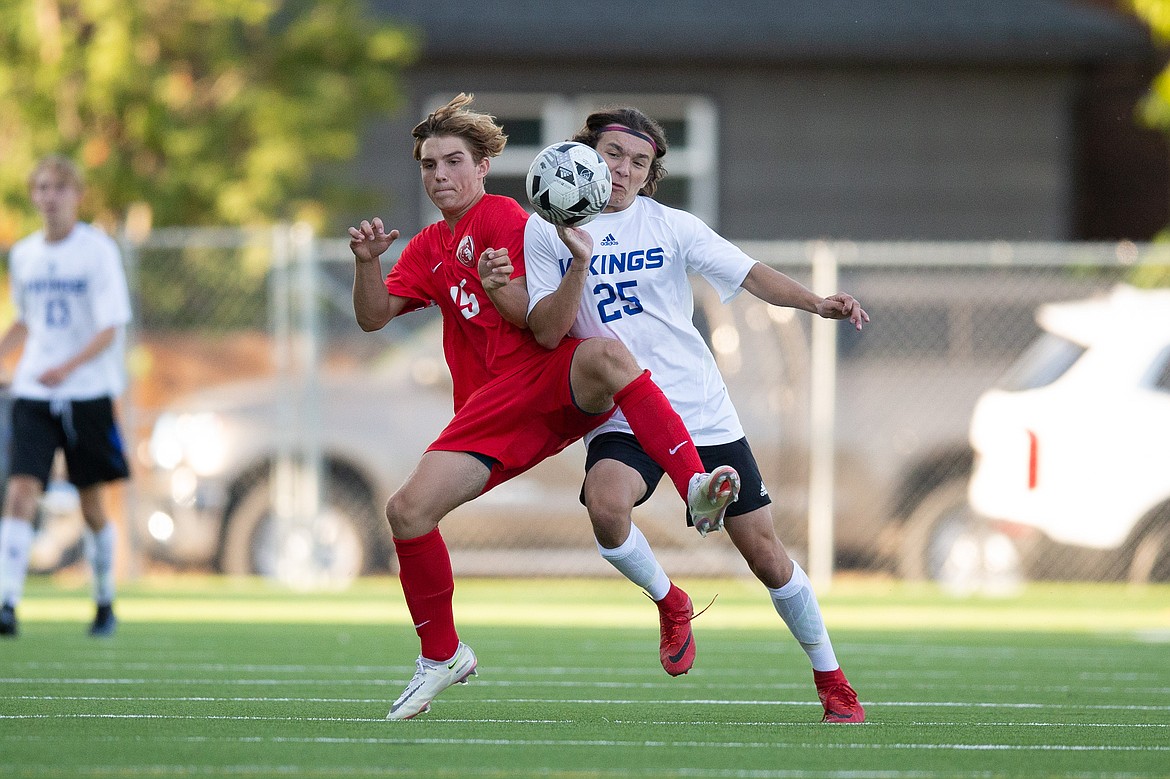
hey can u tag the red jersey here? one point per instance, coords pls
(440, 267)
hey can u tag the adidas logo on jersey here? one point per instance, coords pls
(609, 240)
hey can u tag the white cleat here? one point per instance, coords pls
(431, 677)
(709, 495)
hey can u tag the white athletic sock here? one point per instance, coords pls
(636, 560)
(796, 603)
(99, 550)
(16, 537)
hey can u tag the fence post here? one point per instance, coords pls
(822, 425)
(130, 241)
(296, 468)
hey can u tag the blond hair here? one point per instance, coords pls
(62, 166)
(483, 134)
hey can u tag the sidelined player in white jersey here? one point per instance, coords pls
(625, 276)
(72, 307)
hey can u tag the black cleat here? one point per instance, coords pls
(104, 623)
(8, 621)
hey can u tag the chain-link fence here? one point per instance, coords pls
(268, 429)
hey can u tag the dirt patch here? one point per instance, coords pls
(167, 366)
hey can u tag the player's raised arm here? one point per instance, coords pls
(553, 315)
(772, 286)
(372, 304)
(509, 295)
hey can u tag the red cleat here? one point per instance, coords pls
(838, 698)
(677, 650)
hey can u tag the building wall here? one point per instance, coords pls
(892, 154)
(865, 153)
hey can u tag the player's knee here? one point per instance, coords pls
(612, 363)
(398, 515)
(410, 517)
(610, 517)
(22, 497)
(764, 554)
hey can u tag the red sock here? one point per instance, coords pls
(660, 430)
(424, 568)
(827, 679)
(674, 598)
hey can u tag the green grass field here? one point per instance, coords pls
(209, 677)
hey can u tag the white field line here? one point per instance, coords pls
(521, 721)
(1146, 678)
(480, 684)
(597, 702)
(634, 743)
(546, 772)
(674, 686)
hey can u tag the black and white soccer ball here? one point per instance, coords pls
(569, 183)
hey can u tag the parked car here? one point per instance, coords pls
(902, 467)
(206, 494)
(1072, 445)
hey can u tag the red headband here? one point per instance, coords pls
(621, 128)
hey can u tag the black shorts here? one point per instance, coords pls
(85, 430)
(625, 448)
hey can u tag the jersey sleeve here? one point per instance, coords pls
(405, 281)
(510, 236)
(15, 282)
(543, 250)
(111, 298)
(723, 264)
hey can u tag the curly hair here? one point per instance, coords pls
(481, 131)
(635, 120)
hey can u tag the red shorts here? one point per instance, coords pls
(521, 418)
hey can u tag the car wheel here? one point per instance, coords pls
(327, 552)
(1151, 557)
(944, 541)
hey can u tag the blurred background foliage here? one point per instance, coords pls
(192, 112)
(1154, 111)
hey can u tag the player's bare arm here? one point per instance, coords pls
(13, 337)
(772, 286)
(372, 304)
(100, 342)
(551, 318)
(509, 295)
(842, 305)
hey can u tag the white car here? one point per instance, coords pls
(1073, 447)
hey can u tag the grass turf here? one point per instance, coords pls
(213, 677)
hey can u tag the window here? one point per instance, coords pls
(1161, 371)
(1046, 360)
(533, 121)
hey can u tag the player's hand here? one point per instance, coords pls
(54, 377)
(369, 240)
(580, 244)
(495, 269)
(843, 306)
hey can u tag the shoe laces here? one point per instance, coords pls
(677, 618)
(839, 696)
(420, 668)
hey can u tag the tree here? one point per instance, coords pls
(1155, 108)
(1154, 111)
(196, 112)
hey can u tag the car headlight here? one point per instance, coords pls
(194, 439)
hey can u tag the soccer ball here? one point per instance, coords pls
(569, 183)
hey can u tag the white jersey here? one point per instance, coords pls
(65, 293)
(639, 293)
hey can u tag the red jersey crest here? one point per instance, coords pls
(465, 252)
